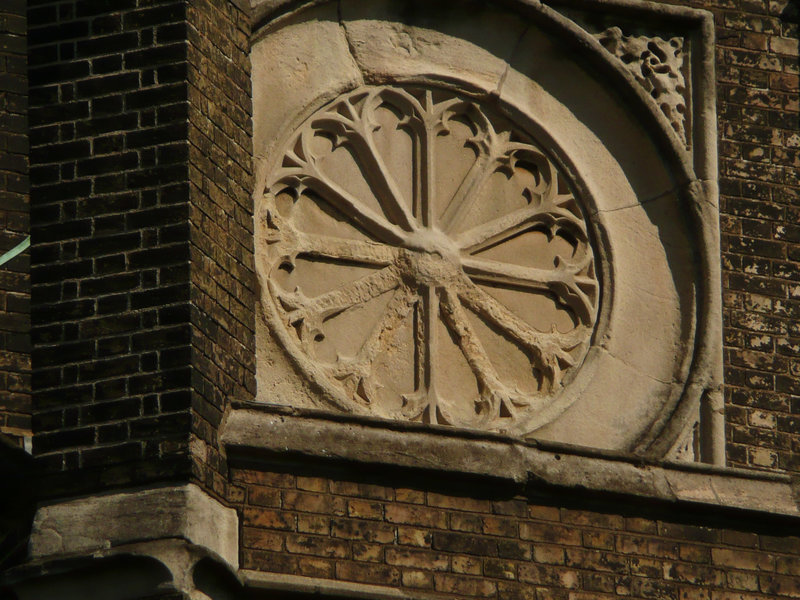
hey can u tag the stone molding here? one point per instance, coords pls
(657, 65)
(97, 523)
(252, 430)
(147, 569)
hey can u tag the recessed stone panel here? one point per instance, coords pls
(493, 232)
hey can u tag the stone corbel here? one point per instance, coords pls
(130, 545)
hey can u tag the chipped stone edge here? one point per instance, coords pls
(97, 523)
(252, 431)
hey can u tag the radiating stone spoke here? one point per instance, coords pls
(344, 203)
(563, 281)
(308, 314)
(424, 177)
(424, 402)
(357, 133)
(488, 146)
(492, 271)
(351, 251)
(548, 352)
(496, 153)
(495, 397)
(357, 371)
(290, 243)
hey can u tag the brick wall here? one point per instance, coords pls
(142, 273)
(14, 224)
(483, 542)
(142, 258)
(757, 72)
(123, 332)
(221, 222)
(109, 205)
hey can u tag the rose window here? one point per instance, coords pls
(422, 258)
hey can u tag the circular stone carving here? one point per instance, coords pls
(422, 258)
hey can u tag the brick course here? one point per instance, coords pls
(110, 255)
(551, 548)
(221, 221)
(15, 364)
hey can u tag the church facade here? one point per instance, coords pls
(399, 299)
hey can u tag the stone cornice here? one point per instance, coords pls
(257, 430)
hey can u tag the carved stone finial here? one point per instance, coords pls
(657, 64)
(423, 259)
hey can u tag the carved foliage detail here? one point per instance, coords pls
(657, 64)
(447, 237)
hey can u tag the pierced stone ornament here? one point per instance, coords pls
(657, 65)
(421, 258)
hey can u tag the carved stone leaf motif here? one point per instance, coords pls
(423, 260)
(657, 64)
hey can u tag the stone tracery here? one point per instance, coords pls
(445, 261)
(657, 65)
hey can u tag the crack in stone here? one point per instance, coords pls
(498, 92)
(350, 46)
(638, 370)
(660, 196)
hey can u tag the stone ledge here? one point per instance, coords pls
(96, 523)
(279, 582)
(268, 430)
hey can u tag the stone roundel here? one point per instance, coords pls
(423, 259)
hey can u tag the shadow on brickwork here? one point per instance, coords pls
(17, 502)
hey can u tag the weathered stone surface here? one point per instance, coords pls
(298, 58)
(100, 522)
(396, 40)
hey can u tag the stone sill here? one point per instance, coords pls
(296, 584)
(260, 430)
